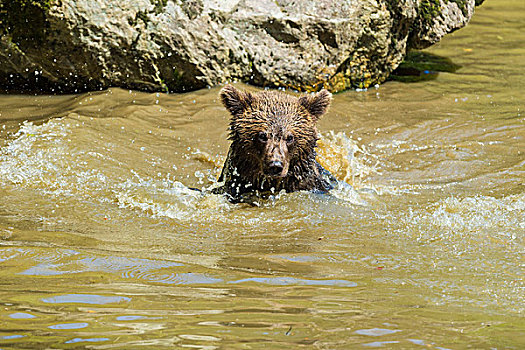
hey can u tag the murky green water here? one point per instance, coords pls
(102, 245)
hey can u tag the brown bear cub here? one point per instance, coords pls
(273, 136)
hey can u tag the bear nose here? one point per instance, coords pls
(275, 168)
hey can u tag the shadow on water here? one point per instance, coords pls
(421, 66)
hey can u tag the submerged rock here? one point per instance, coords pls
(181, 45)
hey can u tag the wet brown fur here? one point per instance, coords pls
(269, 128)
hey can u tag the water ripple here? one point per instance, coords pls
(287, 281)
(376, 332)
(81, 340)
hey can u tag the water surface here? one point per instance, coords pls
(103, 244)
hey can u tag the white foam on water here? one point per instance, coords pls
(44, 157)
(504, 217)
(169, 199)
(25, 161)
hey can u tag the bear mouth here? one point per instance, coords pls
(275, 176)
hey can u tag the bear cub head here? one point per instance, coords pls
(273, 134)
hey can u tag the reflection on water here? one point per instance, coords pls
(104, 243)
(69, 326)
(84, 299)
(20, 315)
(91, 340)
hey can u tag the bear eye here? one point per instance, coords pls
(262, 137)
(289, 139)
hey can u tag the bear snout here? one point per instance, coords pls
(275, 169)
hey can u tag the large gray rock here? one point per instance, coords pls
(183, 45)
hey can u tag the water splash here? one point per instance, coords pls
(350, 164)
(35, 155)
(44, 158)
(345, 158)
(470, 215)
(79, 158)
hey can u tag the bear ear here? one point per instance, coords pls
(234, 100)
(317, 104)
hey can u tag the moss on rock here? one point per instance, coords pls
(463, 6)
(429, 9)
(159, 5)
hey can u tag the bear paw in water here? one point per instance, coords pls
(273, 136)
